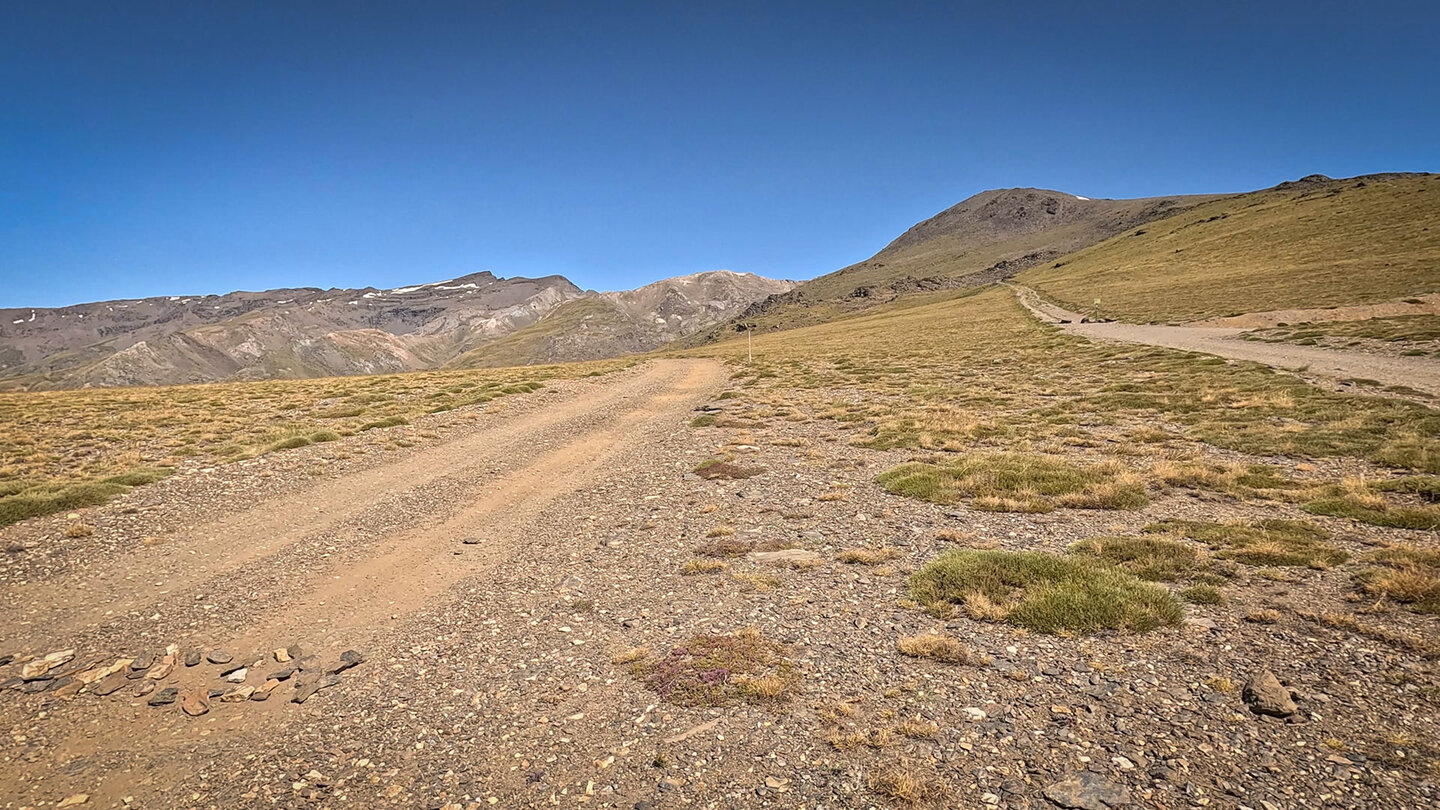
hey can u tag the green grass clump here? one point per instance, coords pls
(291, 443)
(1264, 543)
(1426, 486)
(706, 420)
(1046, 593)
(1156, 559)
(320, 436)
(392, 421)
(21, 501)
(1376, 512)
(717, 670)
(1407, 574)
(1018, 482)
(24, 506)
(1203, 595)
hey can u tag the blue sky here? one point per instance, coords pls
(155, 148)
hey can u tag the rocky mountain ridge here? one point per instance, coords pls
(308, 332)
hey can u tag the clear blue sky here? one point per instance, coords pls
(190, 147)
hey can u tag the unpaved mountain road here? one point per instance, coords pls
(332, 564)
(1419, 373)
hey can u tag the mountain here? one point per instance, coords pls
(1308, 243)
(639, 320)
(985, 238)
(309, 332)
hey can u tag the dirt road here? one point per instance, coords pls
(335, 563)
(1419, 373)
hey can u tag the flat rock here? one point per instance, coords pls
(307, 685)
(348, 659)
(41, 666)
(195, 702)
(236, 675)
(142, 662)
(219, 657)
(164, 697)
(1264, 694)
(1088, 791)
(783, 556)
(282, 655)
(100, 673)
(110, 683)
(238, 694)
(193, 657)
(143, 687)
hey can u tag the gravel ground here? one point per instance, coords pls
(489, 676)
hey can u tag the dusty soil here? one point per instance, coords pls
(1418, 373)
(490, 674)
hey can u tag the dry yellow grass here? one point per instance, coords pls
(867, 556)
(65, 449)
(933, 646)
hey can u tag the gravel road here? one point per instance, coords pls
(329, 559)
(1419, 373)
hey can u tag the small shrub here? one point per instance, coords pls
(391, 421)
(631, 655)
(707, 420)
(1377, 512)
(695, 567)
(717, 469)
(1203, 595)
(1017, 482)
(716, 670)
(867, 556)
(1265, 616)
(1154, 558)
(917, 728)
(1263, 543)
(906, 783)
(320, 436)
(1409, 575)
(1044, 592)
(291, 443)
(934, 647)
(77, 529)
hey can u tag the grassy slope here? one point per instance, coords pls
(961, 372)
(588, 320)
(1343, 242)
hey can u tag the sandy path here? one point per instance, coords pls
(1420, 373)
(313, 566)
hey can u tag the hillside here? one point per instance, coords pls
(985, 238)
(1316, 242)
(308, 332)
(616, 323)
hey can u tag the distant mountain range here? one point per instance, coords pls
(475, 320)
(1073, 247)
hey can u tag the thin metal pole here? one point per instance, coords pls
(749, 344)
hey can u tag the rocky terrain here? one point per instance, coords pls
(309, 332)
(477, 621)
